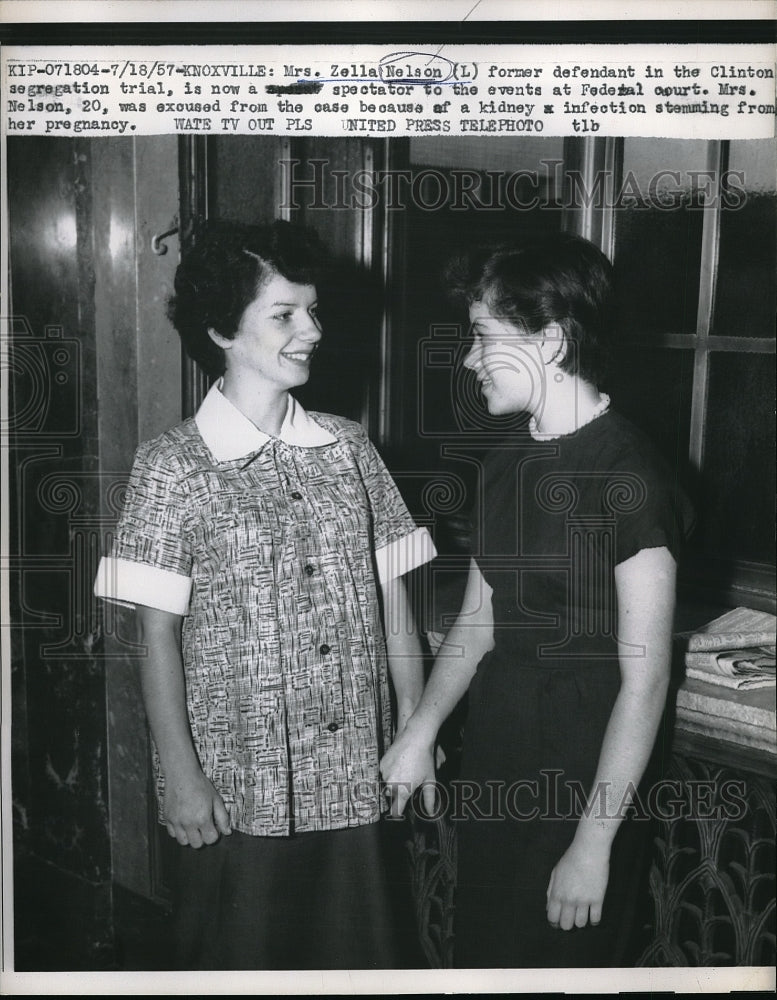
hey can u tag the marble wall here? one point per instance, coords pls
(80, 217)
(60, 765)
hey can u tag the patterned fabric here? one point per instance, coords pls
(274, 550)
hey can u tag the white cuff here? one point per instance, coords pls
(404, 554)
(130, 583)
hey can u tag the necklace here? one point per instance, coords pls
(601, 407)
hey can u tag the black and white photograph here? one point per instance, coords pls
(388, 495)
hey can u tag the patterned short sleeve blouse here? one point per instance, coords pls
(269, 548)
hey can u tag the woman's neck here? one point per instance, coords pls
(265, 407)
(569, 403)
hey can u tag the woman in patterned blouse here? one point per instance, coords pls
(263, 548)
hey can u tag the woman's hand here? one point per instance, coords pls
(577, 887)
(195, 813)
(408, 764)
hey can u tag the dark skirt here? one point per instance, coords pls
(531, 735)
(336, 899)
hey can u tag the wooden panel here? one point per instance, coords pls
(159, 349)
(135, 195)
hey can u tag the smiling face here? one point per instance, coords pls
(508, 363)
(276, 338)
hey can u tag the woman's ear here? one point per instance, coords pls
(554, 344)
(223, 342)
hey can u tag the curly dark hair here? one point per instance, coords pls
(559, 278)
(223, 270)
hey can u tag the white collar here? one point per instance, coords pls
(230, 435)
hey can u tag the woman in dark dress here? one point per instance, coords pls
(563, 639)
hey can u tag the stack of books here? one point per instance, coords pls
(729, 690)
(735, 650)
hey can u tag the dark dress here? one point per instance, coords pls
(554, 518)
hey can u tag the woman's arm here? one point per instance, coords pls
(645, 586)
(194, 811)
(404, 650)
(409, 762)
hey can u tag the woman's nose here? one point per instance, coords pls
(311, 329)
(472, 357)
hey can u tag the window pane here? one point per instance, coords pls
(746, 288)
(653, 388)
(658, 226)
(738, 479)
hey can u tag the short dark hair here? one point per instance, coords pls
(222, 271)
(558, 278)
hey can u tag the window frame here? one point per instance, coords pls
(730, 583)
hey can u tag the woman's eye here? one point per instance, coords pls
(282, 317)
